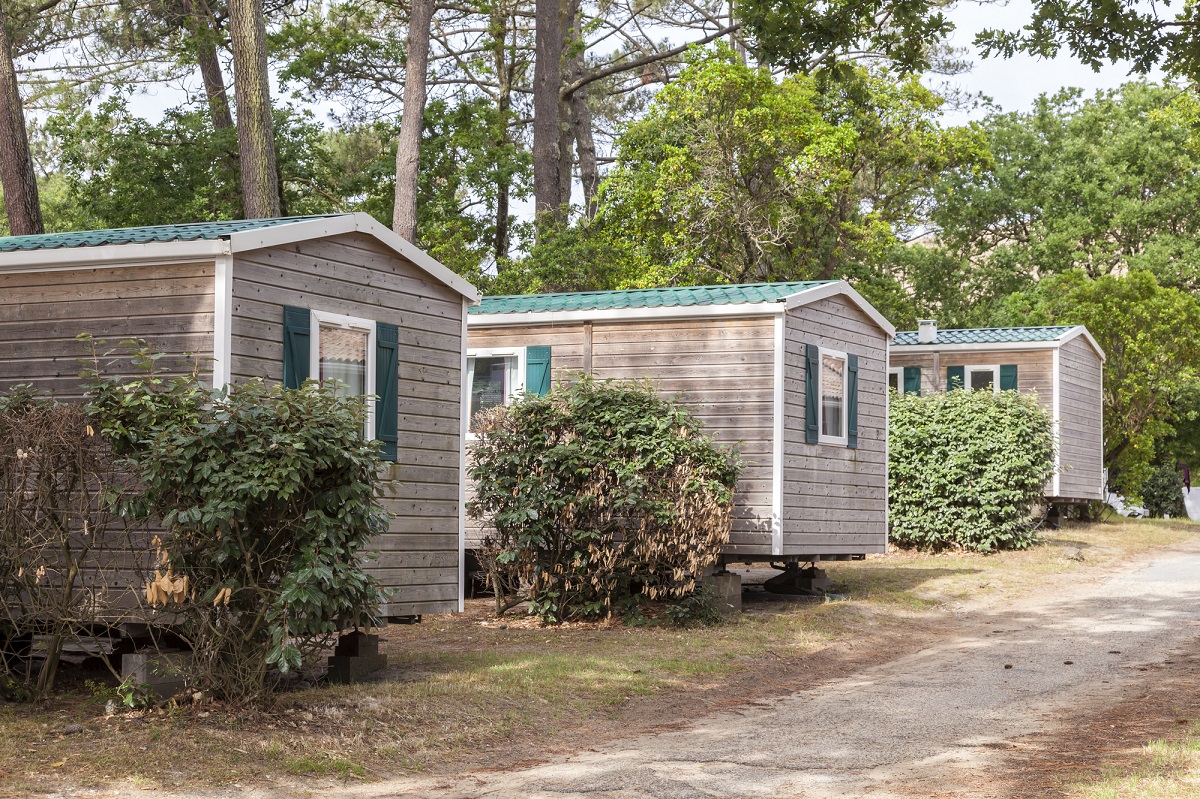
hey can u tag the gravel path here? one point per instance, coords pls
(931, 722)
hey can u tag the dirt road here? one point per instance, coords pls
(951, 720)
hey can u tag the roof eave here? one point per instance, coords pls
(529, 318)
(112, 255)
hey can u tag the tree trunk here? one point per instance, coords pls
(581, 125)
(16, 164)
(204, 36)
(547, 108)
(252, 89)
(408, 145)
(504, 79)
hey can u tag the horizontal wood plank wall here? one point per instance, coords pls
(353, 275)
(42, 312)
(834, 497)
(1034, 368)
(567, 345)
(722, 368)
(1081, 421)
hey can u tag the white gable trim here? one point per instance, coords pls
(307, 229)
(222, 363)
(1080, 330)
(778, 440)
(841, 287)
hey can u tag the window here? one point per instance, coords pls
(983, 378)
(494, 376)
(896, 380)
(832, 391)
(343, 351)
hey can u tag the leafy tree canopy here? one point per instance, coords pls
(734, 176)
(1153, 367)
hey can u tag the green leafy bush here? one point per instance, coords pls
(966, 468)
(597, 490)
(267, 497)
(1162, 493)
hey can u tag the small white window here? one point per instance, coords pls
(343, 351)
(896, 379)
(832, 391)
(983, 378)
(494, 376)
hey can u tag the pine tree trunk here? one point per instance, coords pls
(547, 109)
(204, 36)
(408, 145)
(581, 128)
(504, 75)
(16, 164)
(252, 89)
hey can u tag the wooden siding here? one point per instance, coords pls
(834, 497)
(1034, 368)
(42, 312)
(352, 274)
(1081, 421)
(721, 367)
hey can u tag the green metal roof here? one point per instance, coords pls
(144, 235)
(732, 294)
(989, 335)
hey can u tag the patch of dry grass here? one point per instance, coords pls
(1161, 770)
(461, 686)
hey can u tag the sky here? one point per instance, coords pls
(1015, 83)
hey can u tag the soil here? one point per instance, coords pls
(1008, 701)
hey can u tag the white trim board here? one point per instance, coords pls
(1056, 382)
(800, 298)
(222, 362)
(1002, 346)
(177, 252)
(778, 440)
(463, 424)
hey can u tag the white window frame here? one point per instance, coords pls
(898, 371)
(518, 381)
(844, 438)
(993, 368)
(316, 319)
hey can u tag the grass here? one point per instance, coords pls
(460, 687)
(1161, 770)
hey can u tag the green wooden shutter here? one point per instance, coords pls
(296, 337)
(956, 377)
(537, 370)
(812, 363)
(852, 401)
(912, 380)
(387, 388)
(1008, 377)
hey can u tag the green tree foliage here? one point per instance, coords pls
(124, 171)
(1099, 33)
(733, 176)
(1162, 493)
(803, 36)
(267, 497)
(966, 468)
(1104, 184)
(1150, 377)
(595, 490)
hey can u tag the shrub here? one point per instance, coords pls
(63, 552)
(267, 498)
(1162, 493)
(966, 468)
(597, 490)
